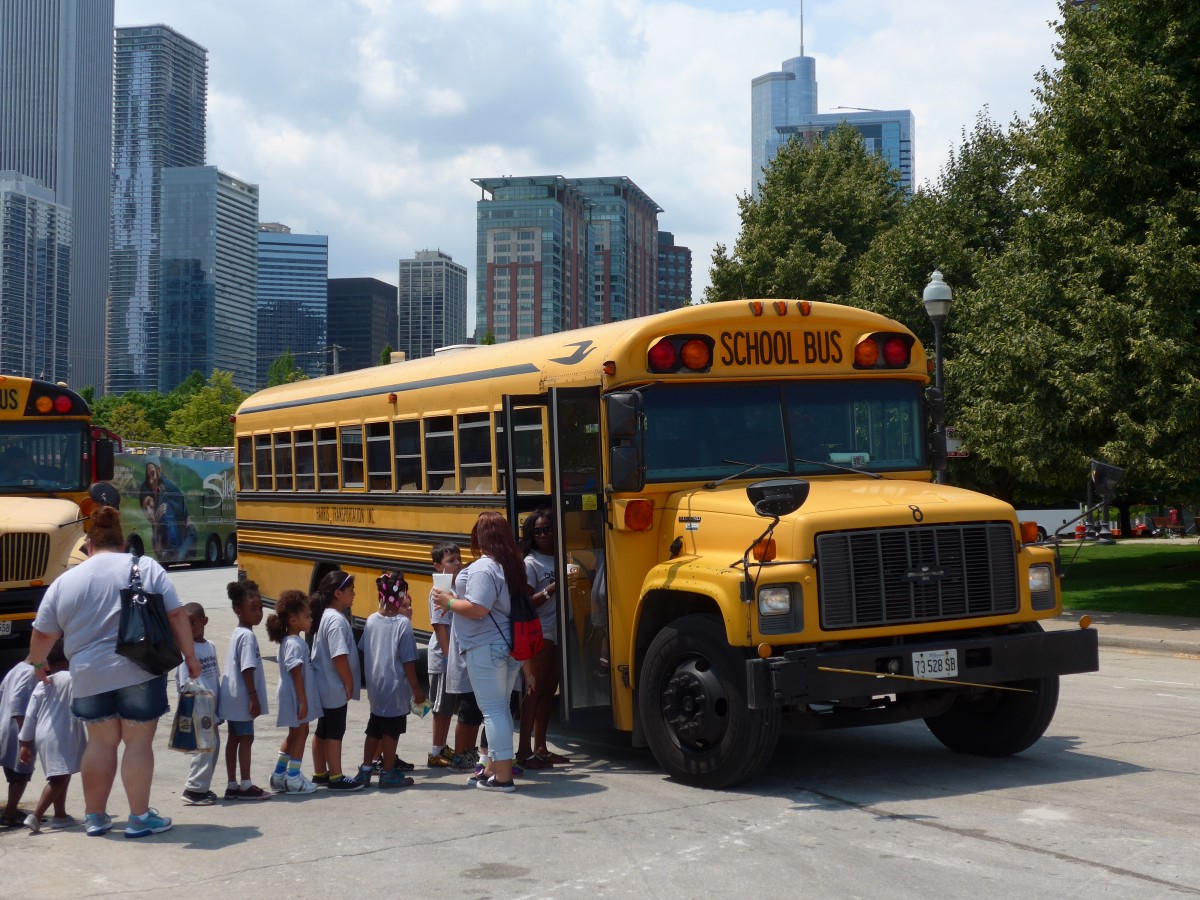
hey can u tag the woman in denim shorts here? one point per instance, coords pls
(119, 702)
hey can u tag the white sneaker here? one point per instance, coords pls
(298, 784)
(33, 823)
(278, 781)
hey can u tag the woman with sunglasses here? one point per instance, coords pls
(537, 542)
(335, 659)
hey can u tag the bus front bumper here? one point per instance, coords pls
(810, 675)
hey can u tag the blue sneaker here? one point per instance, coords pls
(98, 824)
(149, 822)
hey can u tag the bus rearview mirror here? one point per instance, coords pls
(778, 496)
(104, 460)
(624, 411)
(626, 472)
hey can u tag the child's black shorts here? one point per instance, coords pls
(332, 724)
(12, 776)
(386, 726)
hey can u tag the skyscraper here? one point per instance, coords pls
(432, 301)
(160, 92)
(783, 105)
(674, 273)
(362, 322)
(293, 292)
(35, 279)
(557, 253)
(208, 316)
(56, 64)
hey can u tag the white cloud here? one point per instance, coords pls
(366, 119)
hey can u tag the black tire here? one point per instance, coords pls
(692, 701)
(231, 550)
(212, 551)
(134, 545)
(999, 723)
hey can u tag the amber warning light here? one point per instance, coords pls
(680, 353)
(883, 351)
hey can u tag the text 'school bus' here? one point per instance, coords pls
(49, 457)
(178, 503)
(745, 519)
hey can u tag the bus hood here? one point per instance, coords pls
(27, 514)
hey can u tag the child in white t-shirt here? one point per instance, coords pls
(59, 739)
(243, 690)
(15, 691)
(196, 792)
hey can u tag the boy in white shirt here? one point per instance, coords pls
(196, 792)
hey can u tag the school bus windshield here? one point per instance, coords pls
(708, 431)
(41, 456)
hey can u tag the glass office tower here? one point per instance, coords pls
(293, 291)
(432, 303)
(56, 74)
(208, 316)
(160, 91)
(674, 273)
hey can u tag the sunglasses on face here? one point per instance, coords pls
(545, 529)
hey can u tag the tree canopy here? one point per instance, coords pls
(284, 370)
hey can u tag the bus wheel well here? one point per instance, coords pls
(660, 608)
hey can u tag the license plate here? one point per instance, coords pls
(5, 627)
(935, 664)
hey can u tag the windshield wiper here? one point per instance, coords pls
(829, 465)
(749, 467)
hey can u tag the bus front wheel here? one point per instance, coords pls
(692, 696)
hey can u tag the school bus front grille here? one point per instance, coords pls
(24, 556)
(897, 576)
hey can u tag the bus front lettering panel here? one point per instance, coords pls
(780, 348)
(795, 677)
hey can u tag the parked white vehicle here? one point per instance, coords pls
(1050, 520)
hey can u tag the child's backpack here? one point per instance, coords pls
(527, 636)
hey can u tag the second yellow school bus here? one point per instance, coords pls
(746, 524)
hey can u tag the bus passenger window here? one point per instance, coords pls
(528, 450)
(352, 456)
(327, 467)
(262, 461)
(407, 440)
(284, 480)
(475, 453)
(439, 454)
(306, 479)
(245, 465)
(379, 457)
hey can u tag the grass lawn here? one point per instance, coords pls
(1158, 578)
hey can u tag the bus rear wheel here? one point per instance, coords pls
(692, 697)
(231, 550)
(212, 551)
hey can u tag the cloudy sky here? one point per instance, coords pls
(367, 119)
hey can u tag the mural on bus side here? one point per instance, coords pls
(178, 508)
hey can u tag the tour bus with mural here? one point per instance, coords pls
(50, 456)
(178, 503)
(747, 527)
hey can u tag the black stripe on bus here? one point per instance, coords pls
(422, 538)
(362, 560)
(485, 501)
(464, 378)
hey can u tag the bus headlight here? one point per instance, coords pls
(1041, 587)
(775, 600)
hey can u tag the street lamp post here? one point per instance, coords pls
(937, 298)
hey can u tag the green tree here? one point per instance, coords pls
(488, 338)
(284, 370)
(1081, 338)
(128, 421)
(385, 357)
(204, 421)
(821, 205)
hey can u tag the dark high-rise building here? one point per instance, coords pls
(674, 273)
(160, 95)
(56, 73)
(557, 253)
(293, 295)
(362, 322)
(432, 293)
(208, 318)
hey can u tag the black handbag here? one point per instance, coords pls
(144, 634)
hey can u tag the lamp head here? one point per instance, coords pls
(937, 298)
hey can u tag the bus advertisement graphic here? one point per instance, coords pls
(177, 504)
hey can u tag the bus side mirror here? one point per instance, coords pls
(1105, 477)
(777, 497)
(937, 449)
(103, 460)
(624, 413)
(625, 469)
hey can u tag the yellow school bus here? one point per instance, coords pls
(744, 513)
(49, 457)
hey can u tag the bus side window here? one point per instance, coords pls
(327, 462)
(284, 480)
(407, 442)
(379, 457)
(245, 464)
(305, 464)
(352, 456)
(528, 450)
(475, 453)
(262, 462)
(439, 454)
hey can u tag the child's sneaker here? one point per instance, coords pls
(394, 779)
(254, 792)
(233, 793)
(199, 798)
(298, 784)
(98, 824)
(321, 779)
(148, 823)
(342, 783)
(33, 823)
(491, 784)
(279, 782)
(440, 760)
(461, 762)
(364, 775)
(64, 822)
